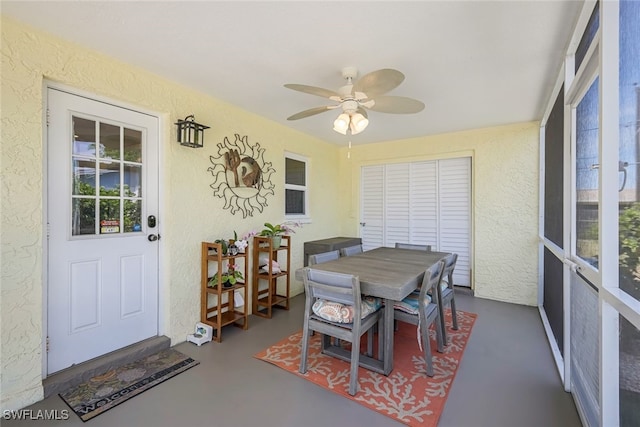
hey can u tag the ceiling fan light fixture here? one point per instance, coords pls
(358, 123)
(358, 96)
(341, 124)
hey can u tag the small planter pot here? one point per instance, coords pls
(233, 249)
(276, 241)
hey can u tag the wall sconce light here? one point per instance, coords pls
(190, 133)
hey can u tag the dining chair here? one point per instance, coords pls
(412, 246)
(420, 309)
(351, 250)
(323, 257)
(446, 295)
(319, 259)
(335, 308)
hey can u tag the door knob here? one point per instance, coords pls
(152, 237)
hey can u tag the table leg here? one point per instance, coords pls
(388, 336)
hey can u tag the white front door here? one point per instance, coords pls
(102, 204)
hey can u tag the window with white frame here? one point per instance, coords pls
(296, 205)
(600, 295)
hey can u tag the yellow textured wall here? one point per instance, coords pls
(505, 200)
(189, 211)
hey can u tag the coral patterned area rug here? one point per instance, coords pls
(407, 395)
(108, 390)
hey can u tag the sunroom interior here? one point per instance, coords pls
(553, 208)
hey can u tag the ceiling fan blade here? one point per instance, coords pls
(363, 112)
(311, 112)
(378, 82)
(397, 105)
(318, 91)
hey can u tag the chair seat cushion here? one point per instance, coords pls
(343, 313)
(410, 303)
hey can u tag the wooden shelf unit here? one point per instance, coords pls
(270, 289)
(222, 312)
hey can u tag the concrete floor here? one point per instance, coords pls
(507, 378)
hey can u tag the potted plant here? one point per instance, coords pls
(227, 278)
(224, 244)
(233, 248)
(229, 247)
(275, 232)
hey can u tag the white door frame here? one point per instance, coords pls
(162, 284)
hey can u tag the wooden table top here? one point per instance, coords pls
(385, 272)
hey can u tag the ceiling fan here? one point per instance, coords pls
(354, 98)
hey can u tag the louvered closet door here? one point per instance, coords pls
(397, 204)
(423, 223)
(454, 196)
(421, 203)
(372, 207)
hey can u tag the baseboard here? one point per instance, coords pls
(82, 372)
(464, 290)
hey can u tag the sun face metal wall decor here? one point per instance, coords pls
(242, 177)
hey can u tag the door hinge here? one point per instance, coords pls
(48, 117)
(47, 344)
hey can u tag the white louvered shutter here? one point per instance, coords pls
(420, 203)
(423, 222)
(372, 184)
(454, 194)
(396, 209)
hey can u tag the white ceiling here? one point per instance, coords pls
(473, 63)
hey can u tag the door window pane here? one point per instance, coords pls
(110, 179)
(83, 216)
(629, 149)
(84, 177)
(587, 167)
(132, 181)
(132, 216)
(109, 141)
(116, 169)
(109, 216)
(84, 137)
(629, 374)
(132, 145)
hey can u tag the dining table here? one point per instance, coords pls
(387, 273)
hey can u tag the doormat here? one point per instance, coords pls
(110, 389)
(407, 395)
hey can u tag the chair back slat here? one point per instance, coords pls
(413, 247)
(431, 281)
(351, 250)
(330, 286)
(323, 257)
(449, 266)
